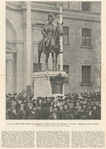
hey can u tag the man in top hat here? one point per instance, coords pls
(39, 112)
(61, 113)
(33, 114)
(21, 112)
(29, 107)
(48, 31)
(71, 108)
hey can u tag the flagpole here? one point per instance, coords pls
(28, 51)
(61, 39)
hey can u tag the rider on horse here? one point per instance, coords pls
(48, 32)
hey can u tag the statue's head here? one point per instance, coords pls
(50, 17)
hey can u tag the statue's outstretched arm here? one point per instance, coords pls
(43, 31)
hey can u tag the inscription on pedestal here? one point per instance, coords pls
(57, 89)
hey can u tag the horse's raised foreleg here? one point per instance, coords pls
(40, 50)
(56, 57)
(53, 59)
(47, 57)
(39, 56)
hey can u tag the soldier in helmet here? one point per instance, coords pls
(48, 31)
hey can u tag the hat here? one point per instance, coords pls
(78, 100)
(51, 15)
(33, 110)
(54, 111)
(30, 102)
(39, 104)
(65, 104)
(60, 100)
(38, 97)
(50, 106)
(22, 103)
(71, 103)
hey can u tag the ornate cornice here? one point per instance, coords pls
(33, 42)
(24, 22)
(12, 5)
(22, 6)
(69, 13)
(34, 22)
(14, 41)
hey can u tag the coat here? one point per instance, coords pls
(48, 32)
(21, 114)
(12, 115)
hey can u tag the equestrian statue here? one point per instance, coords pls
(51, 41)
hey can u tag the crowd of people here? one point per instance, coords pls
(70, 106)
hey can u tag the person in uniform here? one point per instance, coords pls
(48, 32)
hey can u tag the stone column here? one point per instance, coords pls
(14, 72)
(28, 52)
(9, 75)
(24, 56)
(61, 40)
(19, 63)
(24, 24)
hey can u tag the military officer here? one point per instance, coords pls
(48, 32)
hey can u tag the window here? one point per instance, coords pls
(35, 67)
(86, 75)
(86, 6)
(86, 37)
(65, 35)
(66, 69)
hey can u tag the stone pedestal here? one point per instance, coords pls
(49, 83)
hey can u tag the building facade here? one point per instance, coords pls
(81, 43)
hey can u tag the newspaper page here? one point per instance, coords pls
(52, 74)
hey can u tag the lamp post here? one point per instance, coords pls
(28, 51)
(61, 39)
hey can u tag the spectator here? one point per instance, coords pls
(75, 106)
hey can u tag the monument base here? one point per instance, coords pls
(49, 83)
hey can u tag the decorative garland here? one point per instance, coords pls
(57, 80)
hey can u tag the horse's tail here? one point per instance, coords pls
(40, 46)
(40, 49)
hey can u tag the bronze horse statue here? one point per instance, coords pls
(54, 50)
